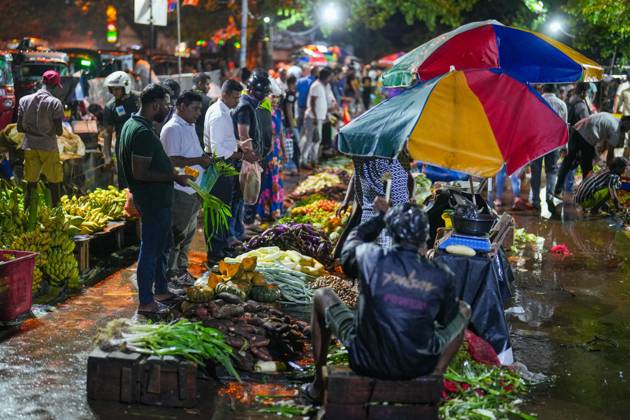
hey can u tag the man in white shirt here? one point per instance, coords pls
(550, 159)
(320, 100)
(220, 140)
(181, 144)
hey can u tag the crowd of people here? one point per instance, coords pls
(596, 138)
(262, 124)
(267, 123)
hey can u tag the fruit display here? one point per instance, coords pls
(300, 237)
(97, 208)
(293, 260)
(93, 219)
(69, 144)
(52, 239)
(48, 232)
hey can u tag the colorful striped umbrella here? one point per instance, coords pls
(525, 55)
(472, 121)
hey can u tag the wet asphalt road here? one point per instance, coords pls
(575, 327)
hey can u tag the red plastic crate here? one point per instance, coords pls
(16, 283)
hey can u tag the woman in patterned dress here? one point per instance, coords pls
(271, 201)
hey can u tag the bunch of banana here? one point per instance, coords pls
(13, 218)
(110, 202)
(93, 219)
(34, 241)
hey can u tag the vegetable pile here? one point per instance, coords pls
(290, 259)
(189, 340)
(237, 279)
(331, 182)
(300, 237)
(422, 188)
(523, 239)
(253, 330)
(293, 285)
(479, 391)
(319, 212)
(346, 291)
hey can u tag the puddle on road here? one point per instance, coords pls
(576, 320)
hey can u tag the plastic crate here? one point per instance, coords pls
(16, 283)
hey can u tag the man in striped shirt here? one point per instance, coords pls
(596, 190)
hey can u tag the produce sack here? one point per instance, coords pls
(250, 180)
(130, 207)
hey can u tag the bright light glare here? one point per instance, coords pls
(330, 13)
(266, 19)
(555, 26)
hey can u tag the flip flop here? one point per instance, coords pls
(306, 393)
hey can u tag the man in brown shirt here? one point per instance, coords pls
(39, 117)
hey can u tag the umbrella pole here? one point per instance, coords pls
(472, 190)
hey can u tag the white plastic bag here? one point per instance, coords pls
(250, 179)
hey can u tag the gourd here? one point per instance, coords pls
(265, 294)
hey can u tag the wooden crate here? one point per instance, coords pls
(113, 376)
(351, 396)
(168, 381)
(137, 378)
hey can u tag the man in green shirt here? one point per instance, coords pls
(150, 176)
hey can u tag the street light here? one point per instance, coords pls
(556, 26)
(330, 13)
(266, 19)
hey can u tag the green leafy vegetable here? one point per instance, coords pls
(190, 340)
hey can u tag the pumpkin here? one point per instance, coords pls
(265, 294)
(229, 287)
(249, 263)
(232, 271)
(199, 294)
(258, 280)
(213, 280)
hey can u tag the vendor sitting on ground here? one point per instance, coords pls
(409, 322)
(597, 191)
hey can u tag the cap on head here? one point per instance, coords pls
(407, 223)
(51, 78)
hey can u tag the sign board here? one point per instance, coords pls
(144, 10)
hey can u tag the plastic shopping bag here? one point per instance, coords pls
(250, 180)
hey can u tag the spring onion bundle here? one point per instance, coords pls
(216, 213)
(189, 340)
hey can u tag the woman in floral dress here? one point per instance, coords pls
(271, 202)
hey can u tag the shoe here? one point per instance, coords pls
(155, 310)
(185, 280)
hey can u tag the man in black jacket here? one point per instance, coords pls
(408, 322)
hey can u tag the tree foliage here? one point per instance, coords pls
(604, 26)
